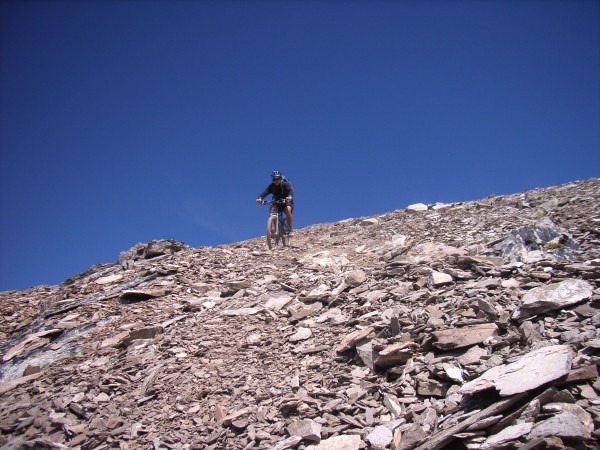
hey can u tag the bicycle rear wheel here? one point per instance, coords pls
(272, 237)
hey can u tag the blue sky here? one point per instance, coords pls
(127, 121)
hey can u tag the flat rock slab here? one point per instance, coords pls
(301, 334)
(529, 372)
(570, 422)
(307, 429)
(464, 337)
(438, 279)
(344, 442)
(349, 341)
(509, 434)
(566, 425)
(554, 296)
(277, 302)
(241, 312)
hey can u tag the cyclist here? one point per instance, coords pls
(280, 190)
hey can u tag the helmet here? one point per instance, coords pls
(276, 174)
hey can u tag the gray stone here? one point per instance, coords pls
(438, 279)
(554, 296)
(472, 356)
(380, 437)
(509, 434)
(364, 350)
(278, 301)
(355, 278)
(307, 429)
(564, 425)
(529, 372)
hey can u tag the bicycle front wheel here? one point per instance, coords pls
(272, 236)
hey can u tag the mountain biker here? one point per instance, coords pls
(281, 190)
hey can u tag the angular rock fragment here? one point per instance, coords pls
(301, 334)
(241, 312)
(529, 372)
(463, 337)
(364, 350)
(552, 297)
(570, 422)
(395, 354)
(509, 434)
(380, 437)
(438, 279)
(350, 340)
(355, 278)
(307, 429)
(343, 442)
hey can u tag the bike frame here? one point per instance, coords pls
(280, 224)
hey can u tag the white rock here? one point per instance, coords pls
(241, 312)
(109, 279)
(380, 437)
(301, 335)
(277, 302)
(437, 279)
(344, 442)
(531, 371)
(453, 372)
(367, 222)
(441, 206)
(418, 207)
(553, 297)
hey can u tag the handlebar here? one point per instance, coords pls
(273, 202)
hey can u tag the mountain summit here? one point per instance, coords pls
(469, 325)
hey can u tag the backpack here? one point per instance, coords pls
(287, 180)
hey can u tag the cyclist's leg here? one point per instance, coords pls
(288, 214)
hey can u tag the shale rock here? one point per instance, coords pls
(463, 325)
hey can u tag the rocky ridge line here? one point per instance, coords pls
(468, 325)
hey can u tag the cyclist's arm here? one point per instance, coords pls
(266, 192)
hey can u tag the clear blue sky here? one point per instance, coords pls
(127, 121)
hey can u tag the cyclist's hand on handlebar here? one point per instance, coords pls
(259, 201)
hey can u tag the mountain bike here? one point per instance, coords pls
(277, 227)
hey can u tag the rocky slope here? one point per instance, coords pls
(468, 325)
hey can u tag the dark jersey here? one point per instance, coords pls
(278, 192)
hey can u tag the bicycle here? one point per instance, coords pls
(277, 227)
